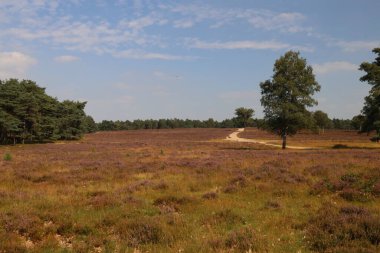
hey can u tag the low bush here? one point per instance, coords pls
(226, 218)
(272, 205)
(171, 202)
(340, 146)
(243, 239)
(278, 172)
(350, 187)
(354, 195)
(25, 224)
(140, 232)
(335, 229)
(10, 242)
(210, 195)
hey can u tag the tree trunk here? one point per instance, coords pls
(284, 141)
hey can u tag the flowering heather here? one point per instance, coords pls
(188, 190)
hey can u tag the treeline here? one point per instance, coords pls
(322, 121)
(28, 114)
(108, 125)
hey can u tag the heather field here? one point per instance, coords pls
(329, 138)
(189, 190)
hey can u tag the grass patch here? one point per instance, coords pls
(7, 157)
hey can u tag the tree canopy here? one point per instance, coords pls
(322, 120)
(371, 109)
(243, 116)
(28, 114)
(286, 97)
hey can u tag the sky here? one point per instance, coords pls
(140, 59)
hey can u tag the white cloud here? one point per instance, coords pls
(140, 23)
(183, 23)
(166, 76)
(191, 14)
(336, 66)
(43, 22)
(142, 55)
(353, 46)
(286, 22)
(247, 44)
(66, 58)
(244, 44)
(15, 64)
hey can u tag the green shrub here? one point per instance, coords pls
(339, 146)
(7, 157)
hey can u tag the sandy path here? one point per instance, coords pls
(234, 137)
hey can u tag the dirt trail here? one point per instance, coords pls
(234, 137)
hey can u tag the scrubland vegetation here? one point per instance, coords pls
(187, 190)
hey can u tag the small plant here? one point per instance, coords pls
(350, 178)
(140, 232)
(272, 205)
(7, 157)
(340, 146)
(244, 239)
(210, 195)
(225, 217)
(354, 195)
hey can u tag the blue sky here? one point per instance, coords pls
(187, 59)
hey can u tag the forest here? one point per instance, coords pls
(110, 125)
(29, 115)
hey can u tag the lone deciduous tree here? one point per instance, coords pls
(286, 97)
(371, 109)
(322, 121)
(243, 115)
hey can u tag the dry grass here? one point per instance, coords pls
(186, 191)
(326, 139)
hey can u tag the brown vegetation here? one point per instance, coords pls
(330, 138)
(186, 190)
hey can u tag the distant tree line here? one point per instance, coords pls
(243, 119)
(321, 121)
(109, 125)
(28, 114)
